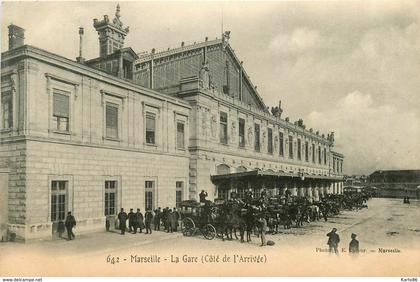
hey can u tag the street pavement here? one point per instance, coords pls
(387, 225)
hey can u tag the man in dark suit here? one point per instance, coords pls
(177, 217)
(122, 217)
(165, 218)
(156, 221)
(70, 223)
(172, 220)
(139, 221)
(354, 244)
(131, 220)
(333, 240)
(148, 217)
(203, 195)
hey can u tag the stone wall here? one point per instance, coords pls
(4, 195)
(86, 169)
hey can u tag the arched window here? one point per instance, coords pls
(241, 169)
(222, 169)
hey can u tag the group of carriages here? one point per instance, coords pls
(226, 219)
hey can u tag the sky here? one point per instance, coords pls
(352, 67)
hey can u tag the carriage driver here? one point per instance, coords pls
(203, 195)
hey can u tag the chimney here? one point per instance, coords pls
(16, 36)
(80, 59)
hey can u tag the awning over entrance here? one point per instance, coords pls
(257, 172)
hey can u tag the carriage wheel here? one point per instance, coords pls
(188, 227)
(209, 232)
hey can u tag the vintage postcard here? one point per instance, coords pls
(232, 138)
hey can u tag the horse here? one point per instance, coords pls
(233, 220)
(313, 212)
(250, 221)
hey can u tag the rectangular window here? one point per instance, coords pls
(58, 200)
(299, 149)
(111, 116)
(222, 193)
(223, 128)
(150, 128)
(319, 154)
(270, 141)
(333, 165)
(313, 153)
(290, 147)
(325, 156)
(127, 67)
(306, 151)
(61, 109)
(257, 137)
(110, 197)
(179, 192)
(149, 187)
(257, 192)
(241, 133)
(241, 189)
(180, 135)
(7, 109)
(281, 142)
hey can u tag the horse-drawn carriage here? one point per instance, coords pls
(224, 218)
(197, 216)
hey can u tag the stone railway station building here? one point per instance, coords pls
(142, 130)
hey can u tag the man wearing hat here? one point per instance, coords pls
(333, 240)
(148, 217)
(70, 223)
(354, 244)
(122, 217)
(203, 195)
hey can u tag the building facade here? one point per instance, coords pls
(396, 183)
(128, 130)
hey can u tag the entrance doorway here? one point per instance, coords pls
(58, 205)
(149, 195)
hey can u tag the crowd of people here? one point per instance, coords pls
(167, 217)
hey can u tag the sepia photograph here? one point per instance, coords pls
(210, 138)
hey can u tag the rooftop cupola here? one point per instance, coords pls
(111, 33)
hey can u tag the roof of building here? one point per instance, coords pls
(55, 59)
(392, 172)
(123, 51)
(395, 176)
(337, 154)
(145, 57)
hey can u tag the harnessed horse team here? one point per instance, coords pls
(235, 214)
